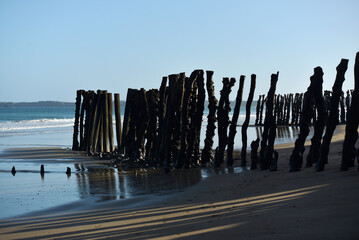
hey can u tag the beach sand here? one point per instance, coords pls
(248, 205)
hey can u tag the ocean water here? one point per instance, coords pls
(27, 191)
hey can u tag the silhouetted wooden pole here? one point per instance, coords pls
(246, 121)
(178, 119)
(266, 151)
(233, 125)
(207, 152)
(199, 116)
(261, 110)
(315, 87)
(141, 117)
(254, 153)
(75, 142)
(162, 101)
(351, 129)
(152, 102)
(223, 120)
(188, 89)
(82, 116)
(333, 118)
(126, 119)
(110, 121)
(342, 108)
(169, 119)
(105, 120)
(258, 109)
(314, 150)
(92, 128)
(118, 119)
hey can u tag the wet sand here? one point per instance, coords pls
(246, 205)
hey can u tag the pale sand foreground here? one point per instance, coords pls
(249, 205)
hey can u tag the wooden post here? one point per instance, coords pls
(118, 119)
(267, 149)
(314, 150)
(258, 109)
(162, 101)
(169, 119)
(110, 121)
(315, 87)
(233, 125)
(152, 102)
(223, 120)
(207, 152)
(141, 117)
(342, 108)
(246, 121)
(333, 115)
(126, 119)
(188, 91)
(82, 113)
(261, 110)
(351, 129)
(198, 117)
(254, 153)
(105, 119)
(177, 120)
(75, 142)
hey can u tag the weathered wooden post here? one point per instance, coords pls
(162, 101)
(152, 102)
(315, 88)
(268, 136)
(207, 152)
(118, 119)
(92, 123)
(82, 115)
(169, 119)
(75, 142)
(141, 117)
(254, 153)
(97, 122)
(258, 109)
(342, 108)
(351, 129)
(126, 119)
(233, 124)
(198, 118)
(347, 104)
(110, 121)
(246, 121)
(178, 119)
(314, 150)
(261, 110)
(88, 108)
(223, 120)
(333, 114)
(106, 127)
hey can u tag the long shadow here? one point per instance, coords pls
(153, 221)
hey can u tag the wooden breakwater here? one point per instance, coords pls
(161, 127)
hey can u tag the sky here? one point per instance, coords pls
(49, 49)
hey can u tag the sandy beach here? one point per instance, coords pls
(247, 205)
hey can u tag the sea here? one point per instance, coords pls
(37, 127)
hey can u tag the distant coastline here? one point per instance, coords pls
(37, 104)
(72, 104)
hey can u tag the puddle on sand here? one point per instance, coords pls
(29, 191)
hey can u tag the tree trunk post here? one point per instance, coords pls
(351, 129)
(333, 117)
(207, 152)
(246, 121)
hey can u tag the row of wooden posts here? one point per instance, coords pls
(161, 128)
(288, 107)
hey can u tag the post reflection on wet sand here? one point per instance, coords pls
(111, 184)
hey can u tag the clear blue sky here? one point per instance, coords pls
(49, 49)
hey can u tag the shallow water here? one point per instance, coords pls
(28, 191)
